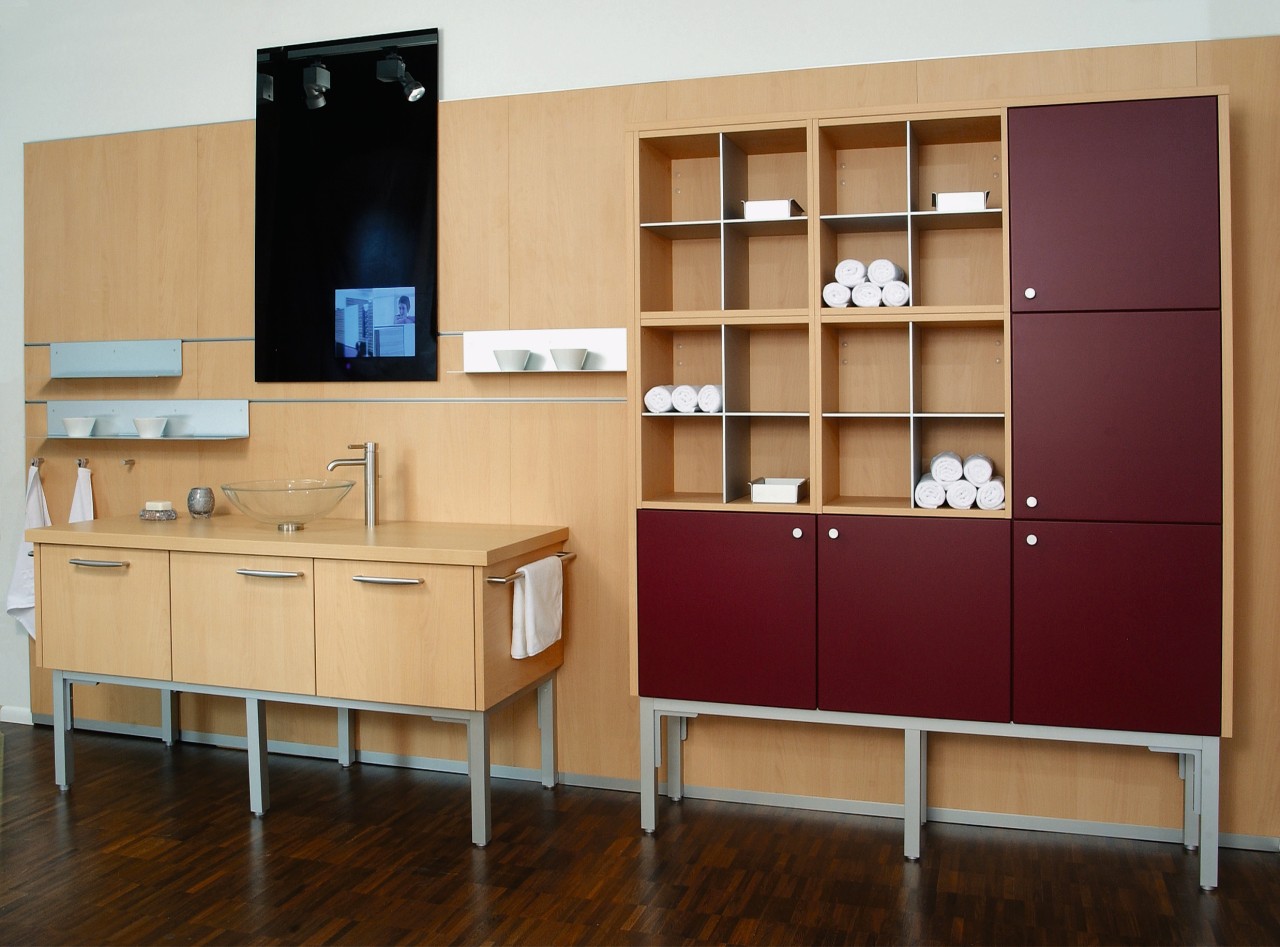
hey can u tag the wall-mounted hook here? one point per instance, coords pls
(37, 461)
(127, 462)
(82, 461)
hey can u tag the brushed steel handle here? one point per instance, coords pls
(99, 563)
(269, 574)
(385, 580)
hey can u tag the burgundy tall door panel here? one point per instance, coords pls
(1114, 205)
(913, 617)
(726, 607)
(1117, 626)
(1117, 416)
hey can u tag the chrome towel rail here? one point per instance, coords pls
(508, 579)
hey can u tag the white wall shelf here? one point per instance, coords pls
(185, 420)
(606, 349)
(137, 358)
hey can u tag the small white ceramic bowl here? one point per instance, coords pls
(150, 427)
(569, 360)
(511, 360)
(78, 427)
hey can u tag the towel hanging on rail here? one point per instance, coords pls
(21, 602)
(82, 498)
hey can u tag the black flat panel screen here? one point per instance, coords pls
(346, 210)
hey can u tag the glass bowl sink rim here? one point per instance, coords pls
(286, 503)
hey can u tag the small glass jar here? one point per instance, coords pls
(200, 502)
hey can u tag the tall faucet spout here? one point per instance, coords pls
(369, 464)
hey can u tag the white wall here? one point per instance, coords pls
(71, 68)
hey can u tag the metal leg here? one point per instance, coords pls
(170, 728)
(1207, 777)
(547, 730)
(1187, 769)
(63, 751)
(649, 755)
(346, 755)
(912, 792)
(478, 770)
(255, 712)
(677, 730)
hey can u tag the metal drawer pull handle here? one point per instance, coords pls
(385, 580)
(508, 579)
(269, 574)
(99, 563)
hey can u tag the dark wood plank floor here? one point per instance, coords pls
(157, 846)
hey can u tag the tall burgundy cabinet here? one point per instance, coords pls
(1117, 415)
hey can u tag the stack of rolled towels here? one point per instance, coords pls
(685, 399)
(960, 483)
(878, 283)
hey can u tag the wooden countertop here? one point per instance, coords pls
(467, 544)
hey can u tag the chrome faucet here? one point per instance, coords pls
(370, 476)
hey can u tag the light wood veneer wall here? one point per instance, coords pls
(534, 210)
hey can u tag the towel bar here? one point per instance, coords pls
(508, 579)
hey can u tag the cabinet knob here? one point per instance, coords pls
(833, 533)
(1029, 292)
(1032, 501)
(1032, 539)
(797, 533)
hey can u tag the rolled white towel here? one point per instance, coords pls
(851, 272)
(882, 271)
(929, 493)
(991, 494)
(946, 466)
(658, 398)
(836, 295)
(711, 399)
(685, 399)
(866, 295)
(961, 494)
(896, 293)
(978, 469)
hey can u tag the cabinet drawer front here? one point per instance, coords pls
(243, 621)
(109, 613)
(396, 632)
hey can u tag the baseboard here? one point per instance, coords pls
(16, 715)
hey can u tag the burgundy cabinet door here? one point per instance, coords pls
(913, 617)
(1117, 416)
(1118, 626)
(1114, 205)
(726, 607)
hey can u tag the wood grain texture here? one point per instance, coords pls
(225, 171)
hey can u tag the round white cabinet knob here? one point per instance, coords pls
(797, 533)
(1032, 501)
(1032, 539)
(833, 533)
(1029, 292)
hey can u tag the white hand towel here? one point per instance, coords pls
(836, 295)
(658, 398)
(82, 499)
(978, 469)
(991, 494)
(896, 293)
(882, 271)
(946, 466)
(929, 493)
(711, 399)
(21, 603)
(537, 607)
(685, 399)
(866, 295)
(961, 494)
(851, 272)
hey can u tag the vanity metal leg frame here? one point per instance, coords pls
(1199, 761)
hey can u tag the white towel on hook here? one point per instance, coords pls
(685, 399)
(711, 399)
(658, 398)
(82, 499)
(21, 603)
(537, 607)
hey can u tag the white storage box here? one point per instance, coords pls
(779, 489)
(771, 210)
(951, 202)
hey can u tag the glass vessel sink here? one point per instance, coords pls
(287, 504)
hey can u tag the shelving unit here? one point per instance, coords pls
(199, 419)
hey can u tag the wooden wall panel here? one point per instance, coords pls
(225, 162)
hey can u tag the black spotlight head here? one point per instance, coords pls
(413, 89)
(315, 83)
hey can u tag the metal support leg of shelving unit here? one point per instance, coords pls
(677, 731)
(547, 730)
(170, 720)
(478, 771)
(346, 751)
(649, 756)
(255, 714)
(64, 762)
(1189, 771)
(913, 791)
(1207, 778)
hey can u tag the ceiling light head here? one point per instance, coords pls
(315, 83)
(413, 89)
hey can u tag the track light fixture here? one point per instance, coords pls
(315, 83)
(391, 69)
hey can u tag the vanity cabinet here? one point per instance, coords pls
(243, 621)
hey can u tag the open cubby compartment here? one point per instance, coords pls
(764, 164)
(866, 368)
(680, 268)
(766, 368)
(862, 168)
(959, 367)
(680, 355)
(764, 446)
(682, 459)
(679, 178)
(955, 153)
(866, 464)
(964, 434)
(766, 265)
(957, 260)
(865, 239)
